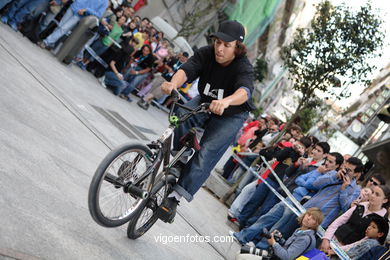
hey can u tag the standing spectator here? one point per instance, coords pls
(79, 9)
(19, 10)
(4, 3)
(54, 8)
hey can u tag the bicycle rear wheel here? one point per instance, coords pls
(109, 204)
(145, 218)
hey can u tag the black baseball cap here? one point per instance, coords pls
(229, 31)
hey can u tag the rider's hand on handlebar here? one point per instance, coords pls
(167, 87)
(218, 106)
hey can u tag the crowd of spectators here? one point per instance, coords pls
(126, 52)
(335, 190)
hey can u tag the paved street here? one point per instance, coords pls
(57, 124)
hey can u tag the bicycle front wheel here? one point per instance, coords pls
(109, 204)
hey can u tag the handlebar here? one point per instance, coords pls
(175, 95)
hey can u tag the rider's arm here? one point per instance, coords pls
(179, 78)
(239, 97)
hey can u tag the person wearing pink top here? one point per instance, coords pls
(351, 226)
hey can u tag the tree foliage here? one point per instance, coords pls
(338, 44)
(260, 69)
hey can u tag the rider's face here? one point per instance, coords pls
(224, 51)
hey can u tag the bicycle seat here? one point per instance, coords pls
(191, 139)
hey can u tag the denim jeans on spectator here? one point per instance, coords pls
(256, 201)
(4, 3)
(274, 219)
(45, 22)
(98, 47)
(242, 199)
(248, 178)
(270, 201)
(66, 24)
(20, 9)
(219, 133)
(133, 80)
(112, 80)
(229, 167)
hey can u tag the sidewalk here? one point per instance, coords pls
(58, 123)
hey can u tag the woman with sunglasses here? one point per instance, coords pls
(374, 180)
(350, 227)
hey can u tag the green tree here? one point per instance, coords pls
(339, 44)
(260, 69)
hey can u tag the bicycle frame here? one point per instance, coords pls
(164, 142)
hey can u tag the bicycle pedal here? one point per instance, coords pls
(165, 215)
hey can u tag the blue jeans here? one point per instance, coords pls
(21, 8)
(274, 219)
(220, 132)
(112, 80)
(4, 3)
(270, 201)
(241, 200)
(133, 80)
(67, 23)
(98, 47)
(256, 201)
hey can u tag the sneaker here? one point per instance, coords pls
(167, 211)
(4, 19)
(250, 244)
(82, 65)
(219, 171)
(43, 45)
(143, 104)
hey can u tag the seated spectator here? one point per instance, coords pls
(130, 30)
(20, 10)
(110, 18)
(329, 198)
(139, 70)
(142, 37)
(351, 226)
(114, 78)
(375, 235)
(155, 91)
(101, 45)
(302, 240)
(377, 252)
(375, 180)
(77, 10)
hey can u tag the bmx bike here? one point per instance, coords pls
(128, 185)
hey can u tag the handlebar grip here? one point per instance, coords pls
(175, 94)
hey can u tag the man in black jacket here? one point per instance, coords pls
(226, 81)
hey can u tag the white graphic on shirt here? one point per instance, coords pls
(214, 93)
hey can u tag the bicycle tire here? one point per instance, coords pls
(132, 231)
(97, 205)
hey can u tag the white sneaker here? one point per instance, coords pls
(101, 80)
(250, 244)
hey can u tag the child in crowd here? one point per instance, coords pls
(303, 238)
(375, 235)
